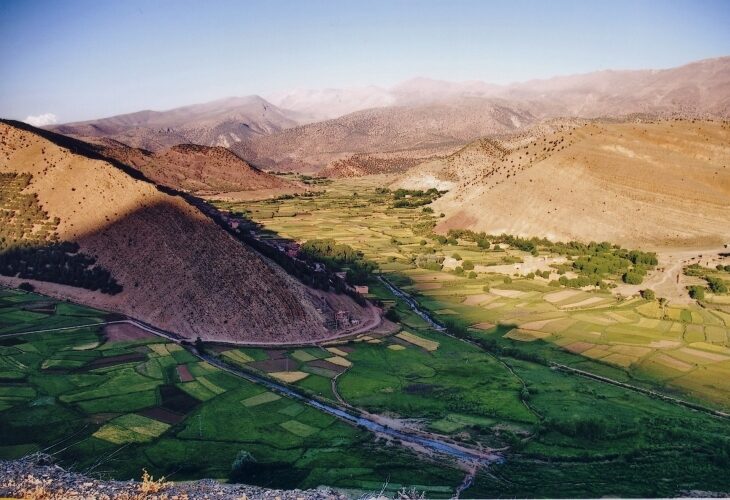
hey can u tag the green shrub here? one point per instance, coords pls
(507, 280)
(648, 294)
(696, 292)
(472, 275)
(455, 256)
(468, 265)
(716, 285)
(632, 278)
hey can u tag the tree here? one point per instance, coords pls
(467, 265)
(648, 294)
(455, 256)
(696, 292)
(472, 275)
(632, 278)
(25, 286)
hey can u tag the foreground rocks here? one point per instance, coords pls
(37, 477)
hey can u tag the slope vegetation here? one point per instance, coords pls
(179, 271)
(654, 184)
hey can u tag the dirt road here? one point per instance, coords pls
(667, 280)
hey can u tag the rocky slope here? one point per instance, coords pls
(408, 131)
(179, 270)
(202, 170)
(646, 184)
(37, 477)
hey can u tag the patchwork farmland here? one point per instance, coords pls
(517, 317)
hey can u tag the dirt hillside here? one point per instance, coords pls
(179, 270)
(420, 130)
(202, 170)
(655, 184)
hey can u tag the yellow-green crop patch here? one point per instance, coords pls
(260, 399)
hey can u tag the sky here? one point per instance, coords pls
(79, 59)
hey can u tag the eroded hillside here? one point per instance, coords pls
(199, 169)
(179, 271)
(647, 184)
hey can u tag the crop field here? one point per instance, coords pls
(567, 435)
(114, 407)
(645, 340)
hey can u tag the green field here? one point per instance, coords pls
(491, 382)
(131, 412)
(567, 435)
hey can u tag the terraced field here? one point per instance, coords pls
(114, 406)
(683, 349)
(565, 435)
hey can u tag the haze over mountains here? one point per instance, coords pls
(415, 119)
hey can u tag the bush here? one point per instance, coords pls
(696, 292)
(392, 315)
(554, 283)
(455, 256)
(507, 280)
(25, 286)
(468, 265)
(427, 210)
(716, 285)
(485, 288)
(472, 275)
(648, 294)
(632, 278)
(459, 270)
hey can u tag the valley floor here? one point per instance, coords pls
(112, 400)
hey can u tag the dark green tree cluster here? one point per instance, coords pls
(29, 246)
(58, 263)
(716, 285)
(410, 198)
(341, 257)
(696, 292)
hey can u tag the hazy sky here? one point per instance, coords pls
(87, 59)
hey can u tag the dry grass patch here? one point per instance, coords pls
(671, 362)
(238, 356)
(579, 347)
(337, 352)
(339, 360)
(429, 345)
(290, 377)
(525, 335)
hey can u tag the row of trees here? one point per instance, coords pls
(341, 257)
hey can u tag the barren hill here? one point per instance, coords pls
(179, 270)
(656, 184)
(199, 169)
(218, 123)
(422, 130)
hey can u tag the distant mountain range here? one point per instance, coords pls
(306, 130)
